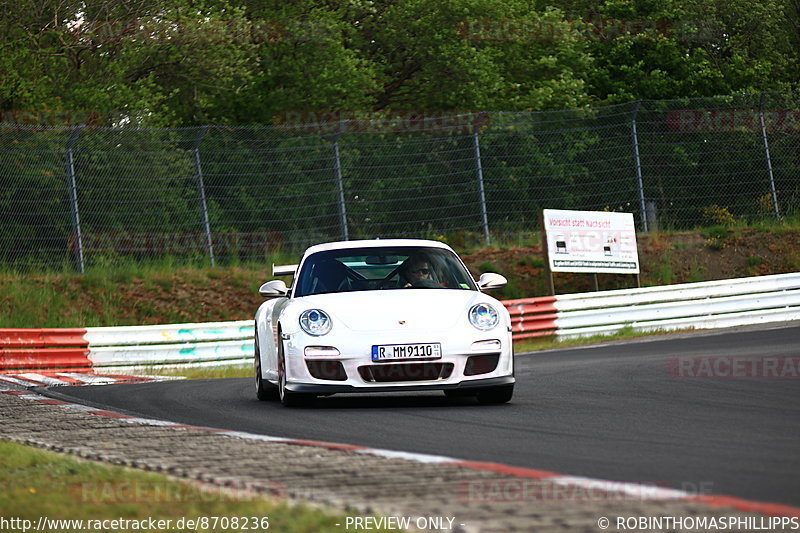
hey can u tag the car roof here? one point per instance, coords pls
(374, 243)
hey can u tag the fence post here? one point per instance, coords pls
(201, 191)
(72, 189)
(481, 191)
(337, 168)
(769, 158)
(638, 163)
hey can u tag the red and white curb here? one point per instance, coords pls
(53, 378)
(638, 491)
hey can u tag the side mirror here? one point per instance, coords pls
(490, 280)
(273, 289)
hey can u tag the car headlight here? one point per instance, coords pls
(483, 316)
(315, 322)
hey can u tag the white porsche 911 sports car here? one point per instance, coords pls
(382, 315)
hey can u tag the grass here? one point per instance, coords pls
(470, 242)
(488, 267)
(171, 289)
(697, 273)
(786, 223)
(38, 483)
(552, 343)
(209, 372)
(664, 273)
(102, 296)
(793, 260)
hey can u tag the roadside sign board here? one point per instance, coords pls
(591, 241)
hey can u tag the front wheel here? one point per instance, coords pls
(496, 395)
(264, 389)
(287, 397)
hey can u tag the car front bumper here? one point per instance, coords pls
(320, 388)
(459, 367)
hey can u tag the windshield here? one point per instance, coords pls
(364, 269)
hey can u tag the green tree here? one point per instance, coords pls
(464, 55)
(147, 63)
(675, 49)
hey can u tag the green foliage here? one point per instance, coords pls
(675, 49)
(697, 273)
(663, 273)
(533, 262)
(179, 62)
(717, 237)
(753, 260)
(488, 267)
(717, 215)
(202, 372)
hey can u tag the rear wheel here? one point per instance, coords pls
(264, 389)
(287, 397)
(496, 395)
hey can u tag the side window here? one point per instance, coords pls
(308, 281)
(329, 276)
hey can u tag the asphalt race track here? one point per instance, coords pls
(617, 411)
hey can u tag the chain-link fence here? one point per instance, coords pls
(82, 195)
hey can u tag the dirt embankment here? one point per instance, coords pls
(716, 253)
(190, 295)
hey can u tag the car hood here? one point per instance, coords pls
(387, 309)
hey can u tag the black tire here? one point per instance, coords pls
(287, 397)
(265, 391)
(496, 395)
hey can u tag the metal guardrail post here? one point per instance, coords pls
(201, 191)
(481, 191)
(72, 189)
(337, 168)
(769, 158)
(638, 163)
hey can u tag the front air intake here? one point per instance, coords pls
(328, 370)
(388, 373)
(481, 364)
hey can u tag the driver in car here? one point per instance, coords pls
(416, 271)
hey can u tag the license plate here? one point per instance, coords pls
(400, 352)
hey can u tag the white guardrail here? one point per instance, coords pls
(712, 304)
(705, 305)
(181, 344)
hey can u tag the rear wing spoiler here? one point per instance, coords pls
(284, 270)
